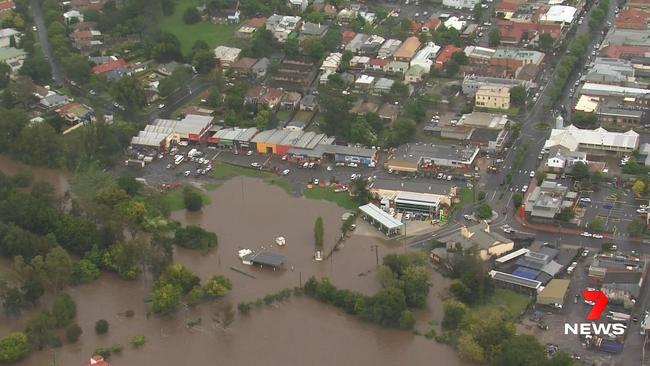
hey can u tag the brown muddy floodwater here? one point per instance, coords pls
(248, 213)
(56, 178)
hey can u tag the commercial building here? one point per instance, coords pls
(598, 141)
(559, 14)
(382, 220)
(547, 200)
(226, 55)
(514, 282)
(604, 92)
(412, 202)
(487, 243)
(554, 293)
(479, 55)
(445, 55)
(407, 49)
(611, 71)
(493, 97)
(460, 4)
(471, 83)
(423, 157)
(513, 58)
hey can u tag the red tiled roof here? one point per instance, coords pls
(256, 22)
(432, 23)
(109, 66)
(255, 91)
(618, 51)
(97, 361)
(271, 95)
(378, 62)
(347, 36)
(415, 26)
(632, 19)
(244, 63)
(506, 6)
(6, 5)
(515, 30)
(445, 55)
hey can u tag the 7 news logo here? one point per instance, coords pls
(599, 301)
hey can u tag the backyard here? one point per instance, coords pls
(510, 301)
(213, 34)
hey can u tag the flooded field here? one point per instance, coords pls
(248, 213)
(56, 178)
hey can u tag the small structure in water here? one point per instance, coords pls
(318, 256)
(280, 240)
(262, 258)
(97, 360)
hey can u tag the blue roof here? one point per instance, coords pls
(526, 273)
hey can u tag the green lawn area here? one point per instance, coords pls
(174, 198)
(222, 170)
(213, 34)
(283, 115)
(466, 195)
(304, 116)
(510, 301)
(342, 199)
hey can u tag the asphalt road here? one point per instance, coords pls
(55, 66)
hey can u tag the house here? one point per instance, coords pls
(456, 23)
(430, 25)
(632, 19)
(356, 42)
(271, 98)
(6, 6)
(168, 68)
(87, 40)
(6, 35)
(300, 5)
(282, 26)
(53, 101)
(407, 49)
(460, 4)
(88, 4)
(313, 30)
(472, 83)
(397, 67)
(76, 113)
(445, 55)
(331, 62)
(250, 26)
(347, 36)
(414, 74)
(13, 57)
(113, 64)
(260, 68)
(388, 48)
(480, 237)
(561, 159)
(308, 103)
(425, 56)
(377, 64)
(363, 107)
(493, 97)
(290, 100)
(243, 66)
(372, 45)
(388, 112)
(346, 15)
(364, 81)
(383, 86)
(73, 14)
(97, 361)
(226, 55)
(513, 58)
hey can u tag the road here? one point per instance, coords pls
(55, 66)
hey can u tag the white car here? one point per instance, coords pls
(532, 173)
(598, 236)
(524, 189)
(256, 165)
(508, 230)
(330, 168)
(585, 199)
(372, 164)
(467, 217)
(187, 173)
(286, 171)
(161, 105)
(586, 234)
(353, 165)
(316, 181)
(249, 153)
(642, 211)
(585, 253)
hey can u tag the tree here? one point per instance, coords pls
(217, 286)
(312, 46)
(402, 131)
(520, 350)
(39, 144)
(192, 199)
(5, 72)
(203, 61)
(415, 284)
(407, 320)
(191, 15)
(72, 333)
(101, 326)
(128, 91)
(179, 276)
(516, 199)
(494, 37)
(470, 349)
(38, 329)
(58, 267)
(638, 187)
(318, 233)
(518, 96)
(454, 312)
(566, 214)
(546, 42)
(194, 237)
(13, 347)
(64, 310)
(636, 227)
(584, 119)
(580, 171)
(11, 299)
(165, 298)
(484, 211)
(596, 224)
(138, 341)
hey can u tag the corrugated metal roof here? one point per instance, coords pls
(263, 136)
(291, 138)
(380, 216)
(277, 137)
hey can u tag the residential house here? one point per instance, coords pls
(415, 73)
(6, 6)
(73, 15)
(561, 159)
(249, 27)
(397, 67)
(300, 5)
(356, 42)
(632, 19)
(75, 113)
(312, 30)
(364, 81)
(362, 107)
(430, 25)
(346, 15)
(407, 49)
(445, 55)
(260, 68)
(487, 243)
(383, 86)
(168, 68)
(388, 48)
(377, 64)
(113, 64)
(347, 36)
(53, 100)
(6, 35)
(88, 4)
(331, 62)
(87, 41)
(97, 361)
(282, 26)
(493, 97)
(425, 56)
(308, 103)
(290, 100)
(243, 66)
(226, 55)
(271, 98)
(388, 112)
(372, 45)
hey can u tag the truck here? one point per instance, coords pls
(133, 162)
(148, 159)
(179, 159)
(618, 317)
(191, 153)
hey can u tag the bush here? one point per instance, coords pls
(191, 15)
(196, 295)
(217, 286)
(104, 352)
(407, 320)
(138, 341)
(84, 271)
(192, 199)
(481, 196)
(101, 326)
(72, 333)
(194, 237)
(117, 348)
(484, 212)
(13, 347)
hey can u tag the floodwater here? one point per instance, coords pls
(56, 178)
(248, 213)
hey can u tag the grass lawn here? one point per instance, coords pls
(466, 195)
(283, 115)
(222, 170)
(213, 34)
(342, 199)
(304, 116)
(174, 198)
(509, 301)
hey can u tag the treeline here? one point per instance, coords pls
(405, 287)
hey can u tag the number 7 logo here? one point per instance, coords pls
(600, 302)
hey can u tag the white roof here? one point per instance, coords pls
(425, 56)
(365, 79)
(513, 255)
(586, 104)
(454, 22)
(8, 32)
(572, 137)
(421, 199)
(226, 53)
(559, 13)
(381, 216)
(606, 89)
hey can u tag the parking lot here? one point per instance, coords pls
(615, 208)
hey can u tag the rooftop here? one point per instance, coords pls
(573, 137)
(416, 152)
(381, 216)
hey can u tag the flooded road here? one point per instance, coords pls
(56, 178)
(248, 213)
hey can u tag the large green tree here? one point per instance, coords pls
(128, 91)
(13, 347)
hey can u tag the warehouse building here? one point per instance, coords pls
(598, 141)
(423, 157)
(427, 204)
(192, 128)
(554, 294)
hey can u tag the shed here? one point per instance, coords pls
(554, 293)
(267, 259)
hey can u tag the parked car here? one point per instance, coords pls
(532, 173)
(585, 199)
(353, 165)
(586, 234)
(249, 153)
(256, 165)
(598, 236)
(524, 189)
(286, 171)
